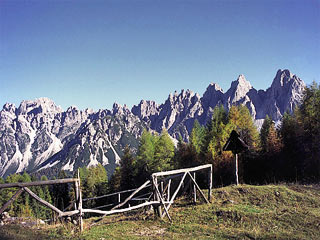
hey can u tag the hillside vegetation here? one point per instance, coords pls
(236, 212)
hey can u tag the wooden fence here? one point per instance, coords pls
(160, 198)
(24, 187)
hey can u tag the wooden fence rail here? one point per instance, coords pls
(162, 197)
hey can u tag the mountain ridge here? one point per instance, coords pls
(39, 134)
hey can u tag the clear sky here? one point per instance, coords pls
(93, 53)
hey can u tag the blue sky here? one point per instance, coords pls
(94, 53)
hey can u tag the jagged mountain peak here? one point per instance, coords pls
(184, 94)
(119, 109)
(212, 96)
(145, 109)
(72, 108)
(9, 107)
(241, 82)
(284, 78)
(238, 90)
(39, 105)
(214, 87)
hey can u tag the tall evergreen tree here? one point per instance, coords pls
(127, 170)
(197, 137)
(145, 156)
(309, 119)
(163, 153)
(273, 143)
(240, 117)
(265, 131)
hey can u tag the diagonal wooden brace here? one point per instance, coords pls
(162, 202)
(14, 197)
(132, 194)
(201, 193)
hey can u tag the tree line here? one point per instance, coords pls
(288, 152)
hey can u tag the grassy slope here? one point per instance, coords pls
(237, 212)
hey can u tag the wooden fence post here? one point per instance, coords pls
(237, 178)
(80, 203)
(210, 183)
(168, 190)
(194, 189)
(156, 196)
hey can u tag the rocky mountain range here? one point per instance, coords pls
(40, 136)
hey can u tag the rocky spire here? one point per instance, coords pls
(212, 96)
(238, 89)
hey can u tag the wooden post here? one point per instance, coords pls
(76, 193)
(80, 203)
(156, 196)
(237, 180)
(163, 204)
(194, 189)
(176, 192)
(199, 189)
(210, 183)
(161, 188)
(168, 190)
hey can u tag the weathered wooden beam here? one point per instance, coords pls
(105, 213)
(237, 178)
(68, 207)
(157, 209)
(201, 193)
(184, 170)
(14, 197)
(176, 192)
(210, 184)
(45, 203)
(38, 183)
(80, 202)
(162, 202)
(194, 189)
(168, 190)
(131, 195)
(69, 213)
(110, 194)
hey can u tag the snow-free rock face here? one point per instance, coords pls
(39, 135)
(178, 113)
(285, 93)
(146, 110)
(33, 135)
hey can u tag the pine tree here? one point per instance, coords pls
(127, 169)
(217, 133)
(265, 131)
(186, 155)
(309, 119)
(145, 156)
(273, 143)
(94, 182)
(115, 180)
(197, 137)
(240, 118)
